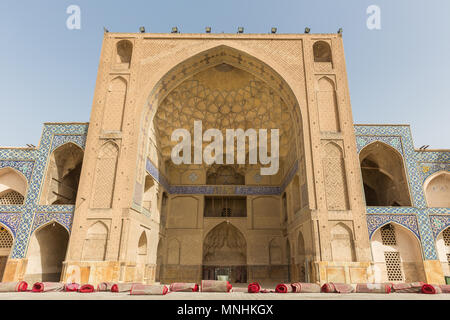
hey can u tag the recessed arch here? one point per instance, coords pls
(6, 243)
(437, 190)
(443, 249)
(105, 175)
(384, 175)
(193, 64)
(342, 243)
(63, 175)
(301, 257)
(322, 52)
(96, 241)
(46, 252)
(399, 260)
(142, 250)
(326, 84)
(124, 52)
(13, 186)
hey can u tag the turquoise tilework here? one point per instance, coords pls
(24, 219)
(399, 137)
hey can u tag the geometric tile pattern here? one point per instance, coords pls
(439, 223)
(220, 189)
(24, 167)
(418, 165)
(409, 221)
(24, 219)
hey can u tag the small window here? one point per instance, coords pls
(124, 52)
(388, 235)
(393, 266)
(322, 52)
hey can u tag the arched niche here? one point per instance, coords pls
(384, 176)
(63, 175)
(224, 245)
(197, 87)
(275, 252)
(13, 187)
(322, 52)
(301, 257)
(105, 176)
(397, 254)
(46, 253)
(6, 243)
(96, 241)
(437, 190)
(149, 195)
(124, 52)
(443, 250)
(342, 243)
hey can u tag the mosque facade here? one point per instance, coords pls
(103, 201)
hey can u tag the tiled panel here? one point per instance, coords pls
(24, 219)
(419, 165)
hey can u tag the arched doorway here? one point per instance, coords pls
(225, 254)
(6, 242)
(384, 178)
(46, 253)
(397, 255)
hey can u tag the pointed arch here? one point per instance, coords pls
(399, 260)
(322, 52)
(95, 243)
(301, 257)
(46, 252)
(384, 173)
(6, 243)
(326, 84)
(275, 252)
(62, 175)
(115, 104)
(13, 186)
(224, 245)
(105, 175)
(335, 177)
(443, 249)
(437, 190)
(188, 64)
(342, 243)
(142, 244)
(124, 52)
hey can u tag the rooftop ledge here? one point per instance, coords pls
(278, 36)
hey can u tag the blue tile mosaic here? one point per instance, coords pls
(220, 190)
(419, 165)
(24, 219)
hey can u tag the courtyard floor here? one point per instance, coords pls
(219, 296)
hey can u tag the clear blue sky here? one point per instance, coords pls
(399, 74)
